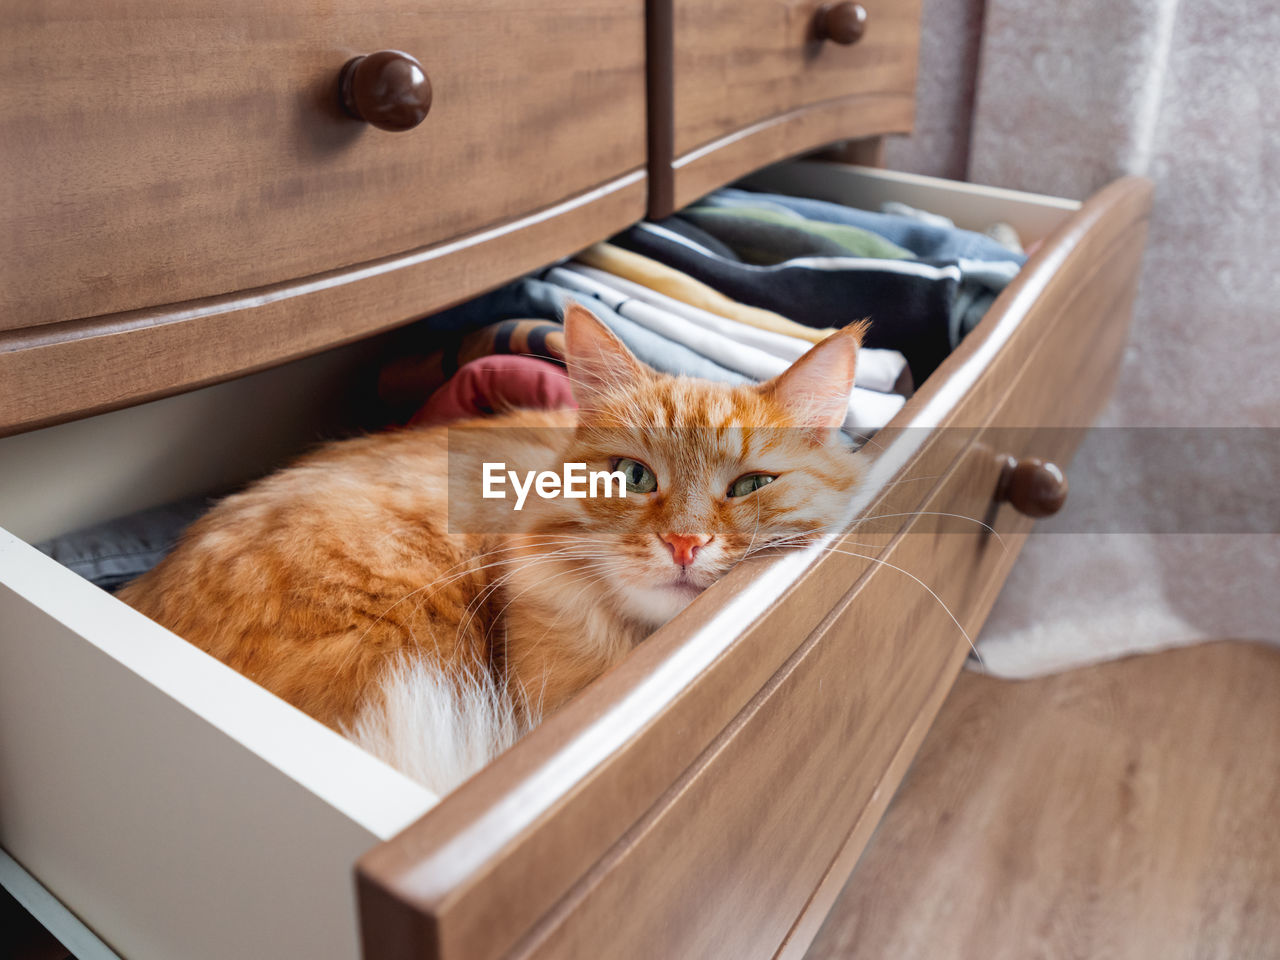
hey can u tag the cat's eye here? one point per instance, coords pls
(640, 479)
(750, 483)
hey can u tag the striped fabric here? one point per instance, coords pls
(533, 338)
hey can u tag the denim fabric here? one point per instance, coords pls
(113, 553)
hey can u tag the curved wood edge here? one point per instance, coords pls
(58, 372)
(888, 647)
(473, 875)
(698, 172)
(1078, 393)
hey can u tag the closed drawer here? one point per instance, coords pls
(165, 163)
(752, 83)
(706, 798)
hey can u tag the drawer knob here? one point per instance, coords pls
(842, 23)
(1036, 488)
(387, 89)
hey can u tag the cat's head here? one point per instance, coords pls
(714, 472)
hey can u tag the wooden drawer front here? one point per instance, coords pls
(728, 859)
(749, 832)
(751, 84)
(726, 815)
(158, 153)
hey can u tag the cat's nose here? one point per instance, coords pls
(684, 545)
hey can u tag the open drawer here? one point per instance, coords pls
(706, 798)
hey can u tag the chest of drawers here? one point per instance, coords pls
(187, 204)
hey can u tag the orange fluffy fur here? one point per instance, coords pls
(317, 580)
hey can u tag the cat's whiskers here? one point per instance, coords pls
(935, 513)
(571, 552)
(591, 581)
(820, 543)
(441, 582)
(591, 576)
(493, 586)
(786, 541)
(754, 533)
(437, 584)
(540, 542)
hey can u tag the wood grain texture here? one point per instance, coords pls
(572, 825)
(752, 84)
(159, 153)
(61, 371)
(1063, 387)
(700, 171)
(799, 767)
(746, 834)
(737, 64)
(1125, 810)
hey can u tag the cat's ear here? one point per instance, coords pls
(596, 359)
(814, 391)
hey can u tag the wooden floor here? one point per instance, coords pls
(1130, 810)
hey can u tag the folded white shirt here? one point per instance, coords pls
(869, 410)
(877, 369)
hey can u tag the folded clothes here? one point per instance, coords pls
(899, 209)
(765, 236)
(534, 338)
(407, 379)
(913, 306)
(869, 410)
(688, 230)
(536, 298)
(1002, 233)
(1007, 236)
(113, 553)
(779, 344)
(881, 370)
(666, 278)
(927, 240)
(496, 383)
(665, 348)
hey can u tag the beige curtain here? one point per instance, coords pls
(1060, 98)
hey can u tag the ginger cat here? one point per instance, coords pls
(322, 582)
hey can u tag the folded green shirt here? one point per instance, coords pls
(762, 236)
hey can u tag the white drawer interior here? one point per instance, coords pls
(175, 806)
(76, 474)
